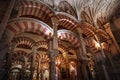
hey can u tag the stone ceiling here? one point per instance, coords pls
(92, 11)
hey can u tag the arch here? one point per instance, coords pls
(102, 34)
(36, 9)
(69, 36)
(43, 44)
(60, 60)
(66, 7)
(66, 20)
(19, 53)
(34, 6)
(63, 49)
(72, 51)
(43, 56)
(24, 42)
(87, 29)
(19, 25)
(91, 43)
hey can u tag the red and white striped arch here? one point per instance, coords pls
(19, 25)
(91, 44)
(69, 36)
(60, 60)
(43, 57)
(102, 35)
(18, 54)
(43, 44)
(36, 8)
(66, 21)
(24, 41)
(87, 29)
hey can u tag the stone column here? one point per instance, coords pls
(3, 51)
(67, 65)
(82, 54)
(12, 46)
(52, 57)
(33, 62)
(6, 17)
(54, 52)
(24, 68)
(103, 56)
(83, 65)
(79, 75)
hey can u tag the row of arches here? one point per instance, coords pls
(21, 62)
(37, 17)
(23, 25)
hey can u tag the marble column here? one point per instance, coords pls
(33, 62)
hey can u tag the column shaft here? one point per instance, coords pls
(54, 49)
(83, 53)
(33, 63)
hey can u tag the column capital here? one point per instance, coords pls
(49, 39)
(54, 20)
(34, 49)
